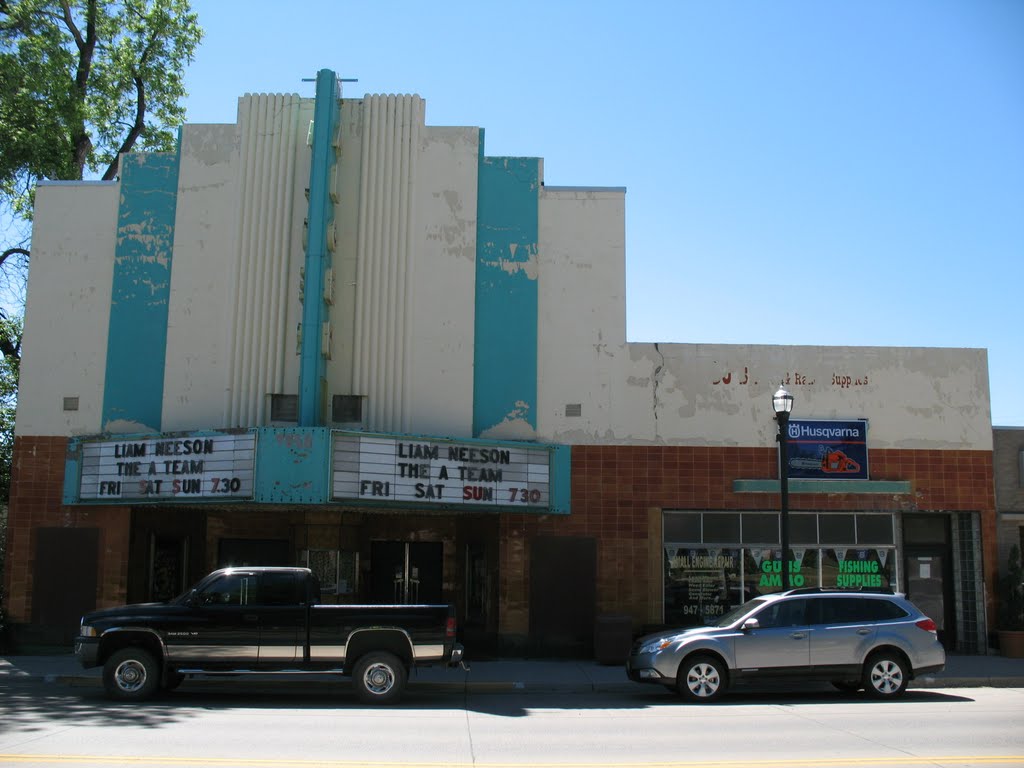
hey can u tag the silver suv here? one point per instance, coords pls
(878, 642)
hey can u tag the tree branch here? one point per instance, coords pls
(12, 252)
(10, 347)
(69, 22)
(136, 130)
(87, 47)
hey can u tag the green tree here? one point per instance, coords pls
(9, 364)
(82, 81)
(11, 328)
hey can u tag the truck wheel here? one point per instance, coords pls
(379, 678)
(131, 674)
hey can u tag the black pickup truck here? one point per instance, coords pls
(240, 621)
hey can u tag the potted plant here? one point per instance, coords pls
(1011, 607)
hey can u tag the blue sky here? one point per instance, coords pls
(797, 172)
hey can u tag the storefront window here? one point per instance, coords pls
(715, 561)
(701, 584)
(858, 568)
(762, 570)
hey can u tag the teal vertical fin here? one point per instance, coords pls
(141, 288)
(505, 347)
(312, 361)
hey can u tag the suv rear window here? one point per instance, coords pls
(885, 610)
(853, 610)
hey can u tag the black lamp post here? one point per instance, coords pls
(782, 403)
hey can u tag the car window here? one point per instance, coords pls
(838, 610)
(884, 610)
(853, 610)
(785, 613)
(230, 589)
(280, 589)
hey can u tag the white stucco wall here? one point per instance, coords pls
(67, 311)
(581, 307)
(697, 394)
(196, 372)
(444, 281)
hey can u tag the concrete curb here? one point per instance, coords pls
(491, 687)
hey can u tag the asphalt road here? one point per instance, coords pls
(271, 727)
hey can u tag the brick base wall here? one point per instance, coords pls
(618, 493)
(37, 482)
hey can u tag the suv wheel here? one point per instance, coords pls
(702, 678)
(886, 675)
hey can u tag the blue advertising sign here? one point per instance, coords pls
(828, 450)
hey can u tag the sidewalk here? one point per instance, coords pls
(521, 675)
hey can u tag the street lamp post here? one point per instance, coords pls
(782, 403)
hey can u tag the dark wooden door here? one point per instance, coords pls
(563, 572)
(64, 581)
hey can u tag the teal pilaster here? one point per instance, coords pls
(140, 293)
(312, 360)
(561, 477)
(505, 347)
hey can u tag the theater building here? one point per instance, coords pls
(330, 334)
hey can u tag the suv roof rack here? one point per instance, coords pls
(837, 590)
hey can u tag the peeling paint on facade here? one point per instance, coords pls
(137, 338)
(505, 327)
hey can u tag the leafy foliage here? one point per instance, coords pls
(8, 396)
(82, 81)
(9, 365)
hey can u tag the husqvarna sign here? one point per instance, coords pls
(828, 450)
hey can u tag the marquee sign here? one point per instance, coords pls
(375, 468)
(178, 468)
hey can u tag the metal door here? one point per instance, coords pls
(406, 572)
(926, 588)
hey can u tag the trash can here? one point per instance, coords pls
(613, 635)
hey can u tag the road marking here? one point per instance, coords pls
(836, 762)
